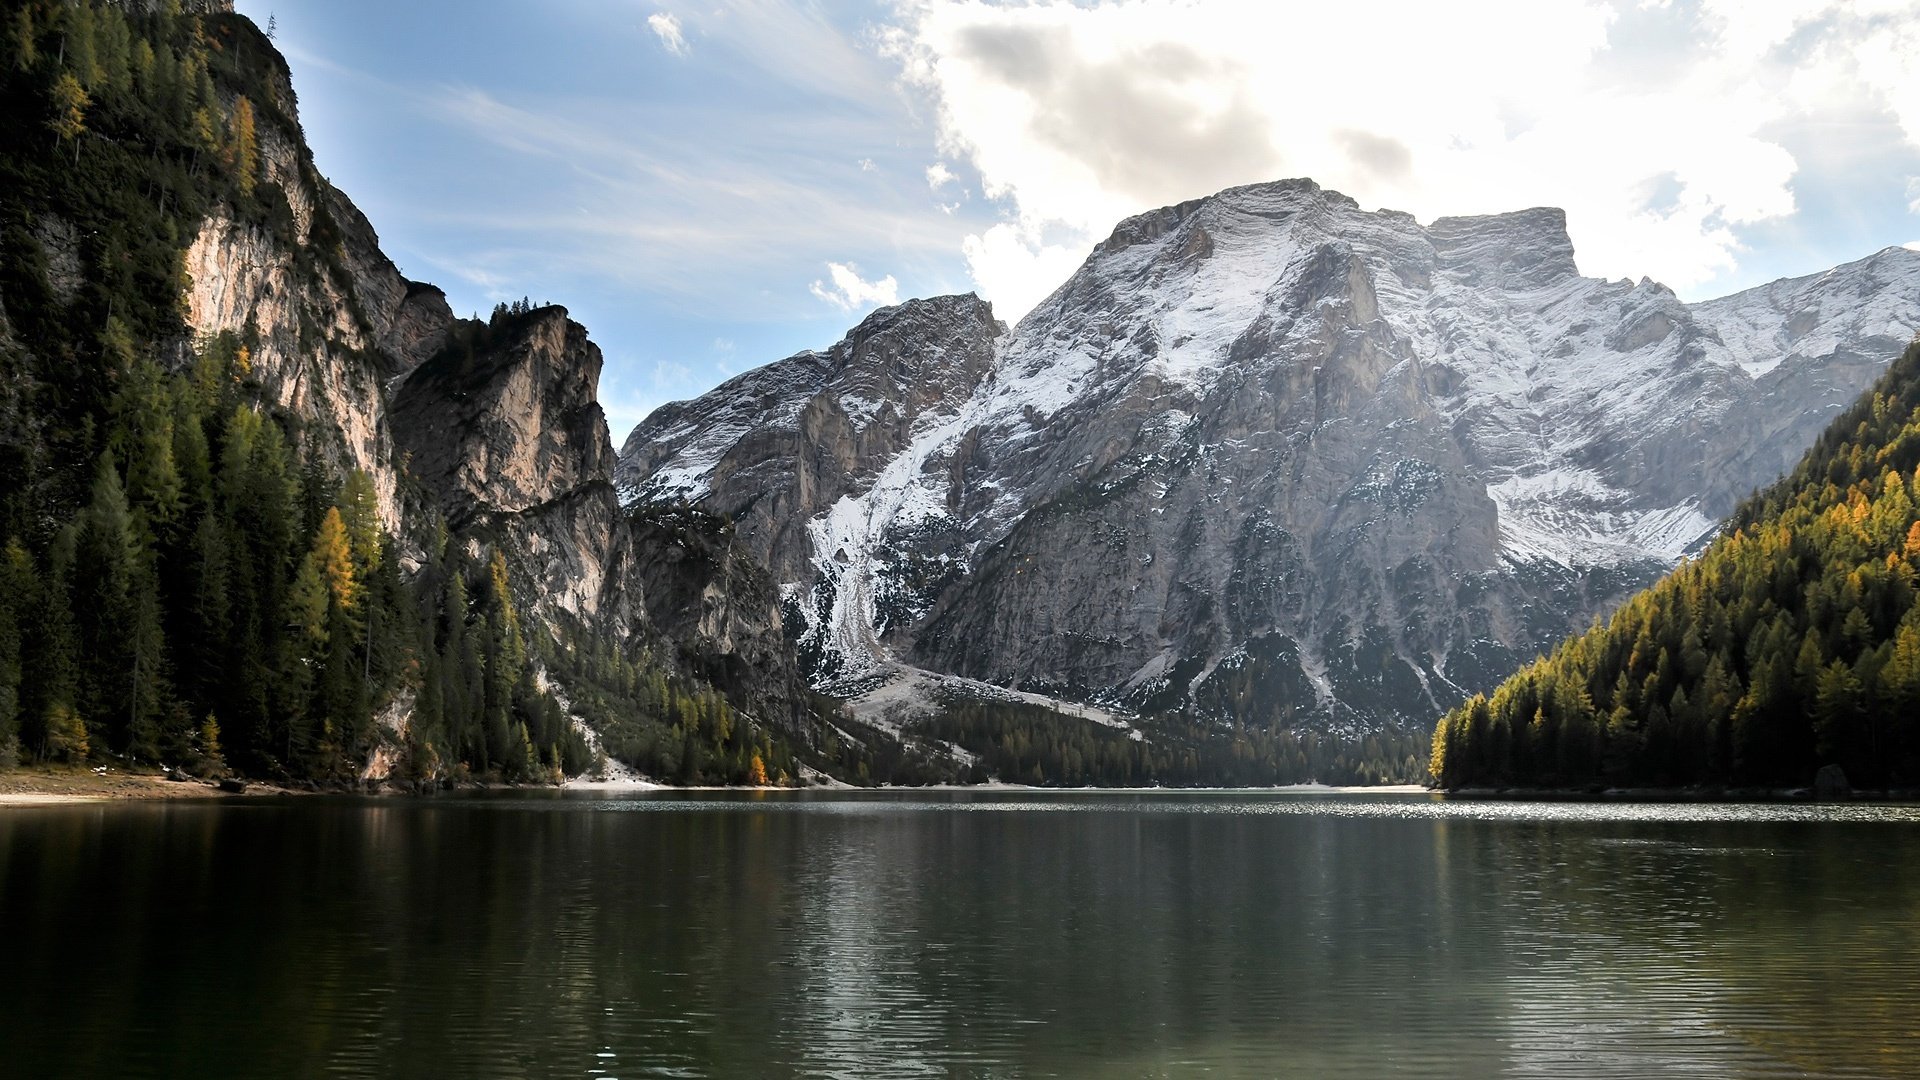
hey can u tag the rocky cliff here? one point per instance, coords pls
(489, 430)
(1268, 456)
(502, 435)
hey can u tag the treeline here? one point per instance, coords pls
(1019, 742)
(1792, 642)
(478, 708)
(667, 727)
(186, 577)
(122, 130)
(222, 602)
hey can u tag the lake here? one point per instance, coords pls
(972, 933)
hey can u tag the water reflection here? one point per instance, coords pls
(963, 934)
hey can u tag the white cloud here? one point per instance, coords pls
(1016, 269)
(1913, 195)
(1655, 126)
(939, 176)
(667, 28)
(850, 292)
(867, 165)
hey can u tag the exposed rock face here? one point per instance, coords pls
(780, 448)
(508, 427)
(1272, 456)
(1830, 784)
(497, 432)
(718, 607)
(332, 319)
(776, 446)
(507, 438)
(504, 435)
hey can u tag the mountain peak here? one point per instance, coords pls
(923, 311)
(1522, 248)
(1241, 460)
(1153, 224)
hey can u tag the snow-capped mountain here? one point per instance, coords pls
(1268, 456)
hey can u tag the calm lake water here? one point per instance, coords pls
(996, 934)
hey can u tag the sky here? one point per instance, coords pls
(711, 186)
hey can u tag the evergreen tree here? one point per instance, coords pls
(1792, 641)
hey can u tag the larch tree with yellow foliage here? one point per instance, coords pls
(1790, 644)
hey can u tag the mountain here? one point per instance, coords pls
(267, 503)
(1266, 457)
(1791, 644)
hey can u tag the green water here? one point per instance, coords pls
(957, 934)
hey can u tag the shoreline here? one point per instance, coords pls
(50, 785)
(42, 786)
(45, 786)
(1680, 795)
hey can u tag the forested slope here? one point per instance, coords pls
(212, 554)
(1791, 643)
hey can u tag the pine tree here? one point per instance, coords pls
(360, 514)
(143, 439)
(104, 561)
(23, 43)
(51, 656)
(308, 603)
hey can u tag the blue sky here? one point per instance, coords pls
(712, 186)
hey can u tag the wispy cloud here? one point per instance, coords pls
(647, 202)
(667, 28)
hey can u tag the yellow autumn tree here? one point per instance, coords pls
(66, 733)
(70, 103)
(326, 573)
(503, 598)
(757, 772)
(333, 558)
(244, 147)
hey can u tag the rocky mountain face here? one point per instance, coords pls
(1267, 456)
(493, 430)
(506, 439)
(502, 437)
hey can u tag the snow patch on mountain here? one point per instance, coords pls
(1298, 405)
(847, 540)
(1564, 516)
(1869, 301)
